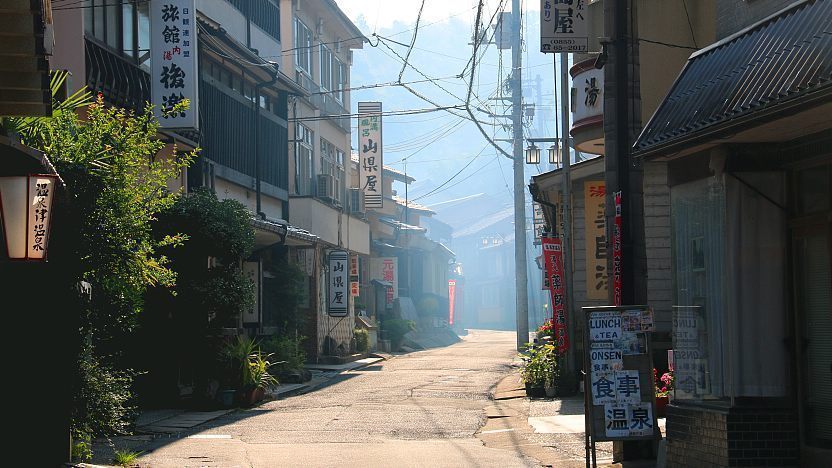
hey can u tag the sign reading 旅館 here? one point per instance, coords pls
(173, 62)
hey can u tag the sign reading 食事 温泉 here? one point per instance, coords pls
(173, 62)
(621, 396)
(370, 159)
(338, 301)
(563, 26)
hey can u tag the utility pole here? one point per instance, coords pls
(521, 278)
(566, 207)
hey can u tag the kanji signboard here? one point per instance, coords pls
(173, 62)
(370, 158)
(386, 269)
(553, 257)
(338, 300)
(596, 239)
(619, 382)
(563, 26)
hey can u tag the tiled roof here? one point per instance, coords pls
(411, 205)
(779, 59)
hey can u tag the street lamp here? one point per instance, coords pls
(532, 154)
(554, 154)
(26, 208)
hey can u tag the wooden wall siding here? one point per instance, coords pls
(578, 260)
(657, 238)
(228, 136)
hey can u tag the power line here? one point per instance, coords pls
(385, 113)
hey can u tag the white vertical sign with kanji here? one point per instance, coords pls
(563, 26)
(338, 300)
(371, 161)
(173, 62)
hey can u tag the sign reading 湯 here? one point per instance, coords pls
(563, 26)
(596, 240)
(370, 159)
(553, 257)
(173, 62)
(338, 301)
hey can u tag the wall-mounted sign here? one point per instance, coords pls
(616, 252)
(539, 222)
(338, 301)
(563, 26)
(173, 62)
(254, 273)
(553, 256)
(370, 159)
(596, 240)
(386, 269)
(588, 94)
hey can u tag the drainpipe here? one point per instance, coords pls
(256, 105)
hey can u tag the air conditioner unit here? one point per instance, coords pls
(356, 201)
(325, 188)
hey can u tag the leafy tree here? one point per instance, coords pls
(116, 174)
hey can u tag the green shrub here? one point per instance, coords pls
(362, 340)
(396, 329)
(81, 448)
(540, 364)
(286, 351)
(102, 403)
(125, 457)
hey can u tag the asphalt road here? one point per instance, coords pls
(418, 409)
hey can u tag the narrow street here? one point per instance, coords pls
(418, 409)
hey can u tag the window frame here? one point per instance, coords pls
(305, 49)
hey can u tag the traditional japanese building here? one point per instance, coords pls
(744, 133)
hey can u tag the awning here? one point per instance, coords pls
(772, 69)
(268, 232)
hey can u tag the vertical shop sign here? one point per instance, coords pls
(539, 222)
(370, 156)
(338, 301)
(451, 298)
(563, 26)
(386, 269)
(173, 62)
(596, 240)
(355, 277)
(553, 256)
(616, 252)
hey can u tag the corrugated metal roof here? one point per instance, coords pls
(781, 58)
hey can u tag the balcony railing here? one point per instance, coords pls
(325, 102)
(121, 81)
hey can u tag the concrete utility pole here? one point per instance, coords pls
(521, 278)
(566, 208)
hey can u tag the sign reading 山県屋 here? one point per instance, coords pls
(338, 300)
(370, 159)
(563, 26)
(173, 62)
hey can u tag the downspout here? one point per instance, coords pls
(256, 105)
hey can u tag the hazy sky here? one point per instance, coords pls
(438, 145)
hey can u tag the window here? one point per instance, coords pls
(303, 47)
(339, 79)
(326, 68)
(303, 159)
(331, 165)
(123, 26)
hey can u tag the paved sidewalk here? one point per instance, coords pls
(550, 431)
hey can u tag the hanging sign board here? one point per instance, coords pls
(370, 159)
(451, 299)
(173, 62)
(386, 269)
(553, 257)
(563, 26)
(338, 301)
(621, 396)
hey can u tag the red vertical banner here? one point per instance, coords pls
(553, 256)
(616, 252)
(451, 298)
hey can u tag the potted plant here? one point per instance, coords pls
(664, 386)
(546, 331)
(539, 371)
(259, 378)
